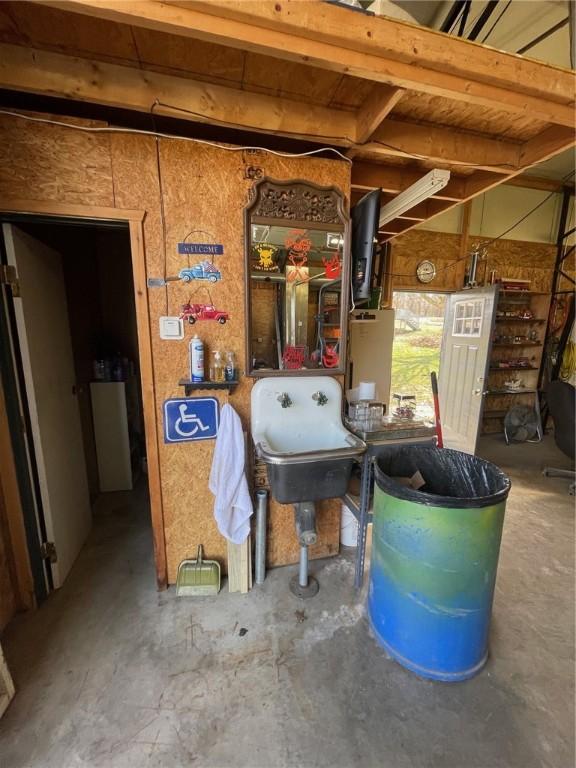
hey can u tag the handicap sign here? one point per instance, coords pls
(190, 418)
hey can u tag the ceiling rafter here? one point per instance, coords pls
(383, 50)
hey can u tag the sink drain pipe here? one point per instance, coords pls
(305, 585)
(260, 549)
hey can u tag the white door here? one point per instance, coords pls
(464, 361)
(47, 359)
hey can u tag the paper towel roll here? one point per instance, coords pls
(367, 390)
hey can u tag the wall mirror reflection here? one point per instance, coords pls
(297, 264)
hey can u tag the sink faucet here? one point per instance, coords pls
(320, 398)
(284, 400)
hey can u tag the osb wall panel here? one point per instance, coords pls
(201, 188)
(42, 162)
(410, 249)
(510, 258)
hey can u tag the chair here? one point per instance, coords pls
(561, 399)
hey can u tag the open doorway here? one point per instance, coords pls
(76, 361)
(419, 321)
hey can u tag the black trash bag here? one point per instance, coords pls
(452, 479)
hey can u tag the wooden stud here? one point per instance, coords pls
(464, 235)
(44, 72)
(148, 399)
(380, 102)
(378, 49)
(24, 585)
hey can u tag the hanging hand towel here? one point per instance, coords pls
(232, 504)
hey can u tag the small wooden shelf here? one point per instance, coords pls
(194, 386)
(514, 368)
(519, 320)
(518, 344)
(511, 292)
(522, 391)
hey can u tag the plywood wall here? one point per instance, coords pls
(510, 258)
(182, 186)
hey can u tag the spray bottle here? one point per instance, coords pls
(196, 359)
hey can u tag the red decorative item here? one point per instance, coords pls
(330, 358)
(332, 266)
(193, 312)
(293, 357)
(298, 244)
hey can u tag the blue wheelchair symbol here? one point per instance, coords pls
(193, 418)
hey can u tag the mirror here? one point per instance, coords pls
(297, 262)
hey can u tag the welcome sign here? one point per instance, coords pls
(201, 249)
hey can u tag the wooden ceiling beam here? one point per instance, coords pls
(70, 77)
(536, 182)
(395, 138)
(395, 179)
(379, 103)
(378, 49)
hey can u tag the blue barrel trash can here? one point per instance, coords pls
(434, 559)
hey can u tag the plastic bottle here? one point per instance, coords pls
(230, 369)
(218, 367)
(196, 359)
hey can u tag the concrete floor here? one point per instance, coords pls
(110, 673)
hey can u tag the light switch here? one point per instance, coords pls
(171, 328)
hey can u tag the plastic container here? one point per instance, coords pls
(348, 528)
(434, 559)
(196, 359)
(230, 368)
(217, 371)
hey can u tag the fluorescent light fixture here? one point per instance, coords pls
(421, 190)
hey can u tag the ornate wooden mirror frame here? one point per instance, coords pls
(300, 205)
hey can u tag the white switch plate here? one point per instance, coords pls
(171, 328)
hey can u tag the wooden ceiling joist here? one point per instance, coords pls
(398, 98)
(380, 102)
(43, 72)
(378, 49)
(395, 138)
(394, 180)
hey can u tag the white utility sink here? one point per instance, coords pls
(298, 432)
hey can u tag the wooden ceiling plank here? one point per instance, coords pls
(69, 77)
(379, 103)
(443, 145)
(538, 91)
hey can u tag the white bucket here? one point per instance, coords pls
(348, 528)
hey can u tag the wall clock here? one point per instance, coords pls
(426, 271)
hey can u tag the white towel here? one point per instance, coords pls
(232, 503)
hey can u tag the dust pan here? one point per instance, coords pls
(198, 578)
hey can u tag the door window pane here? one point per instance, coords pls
(468, 318)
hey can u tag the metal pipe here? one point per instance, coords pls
(303, 567)
(544, 35)
(453, 14)
(483, 18)
(260, 549)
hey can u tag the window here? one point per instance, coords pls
(468, 318)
